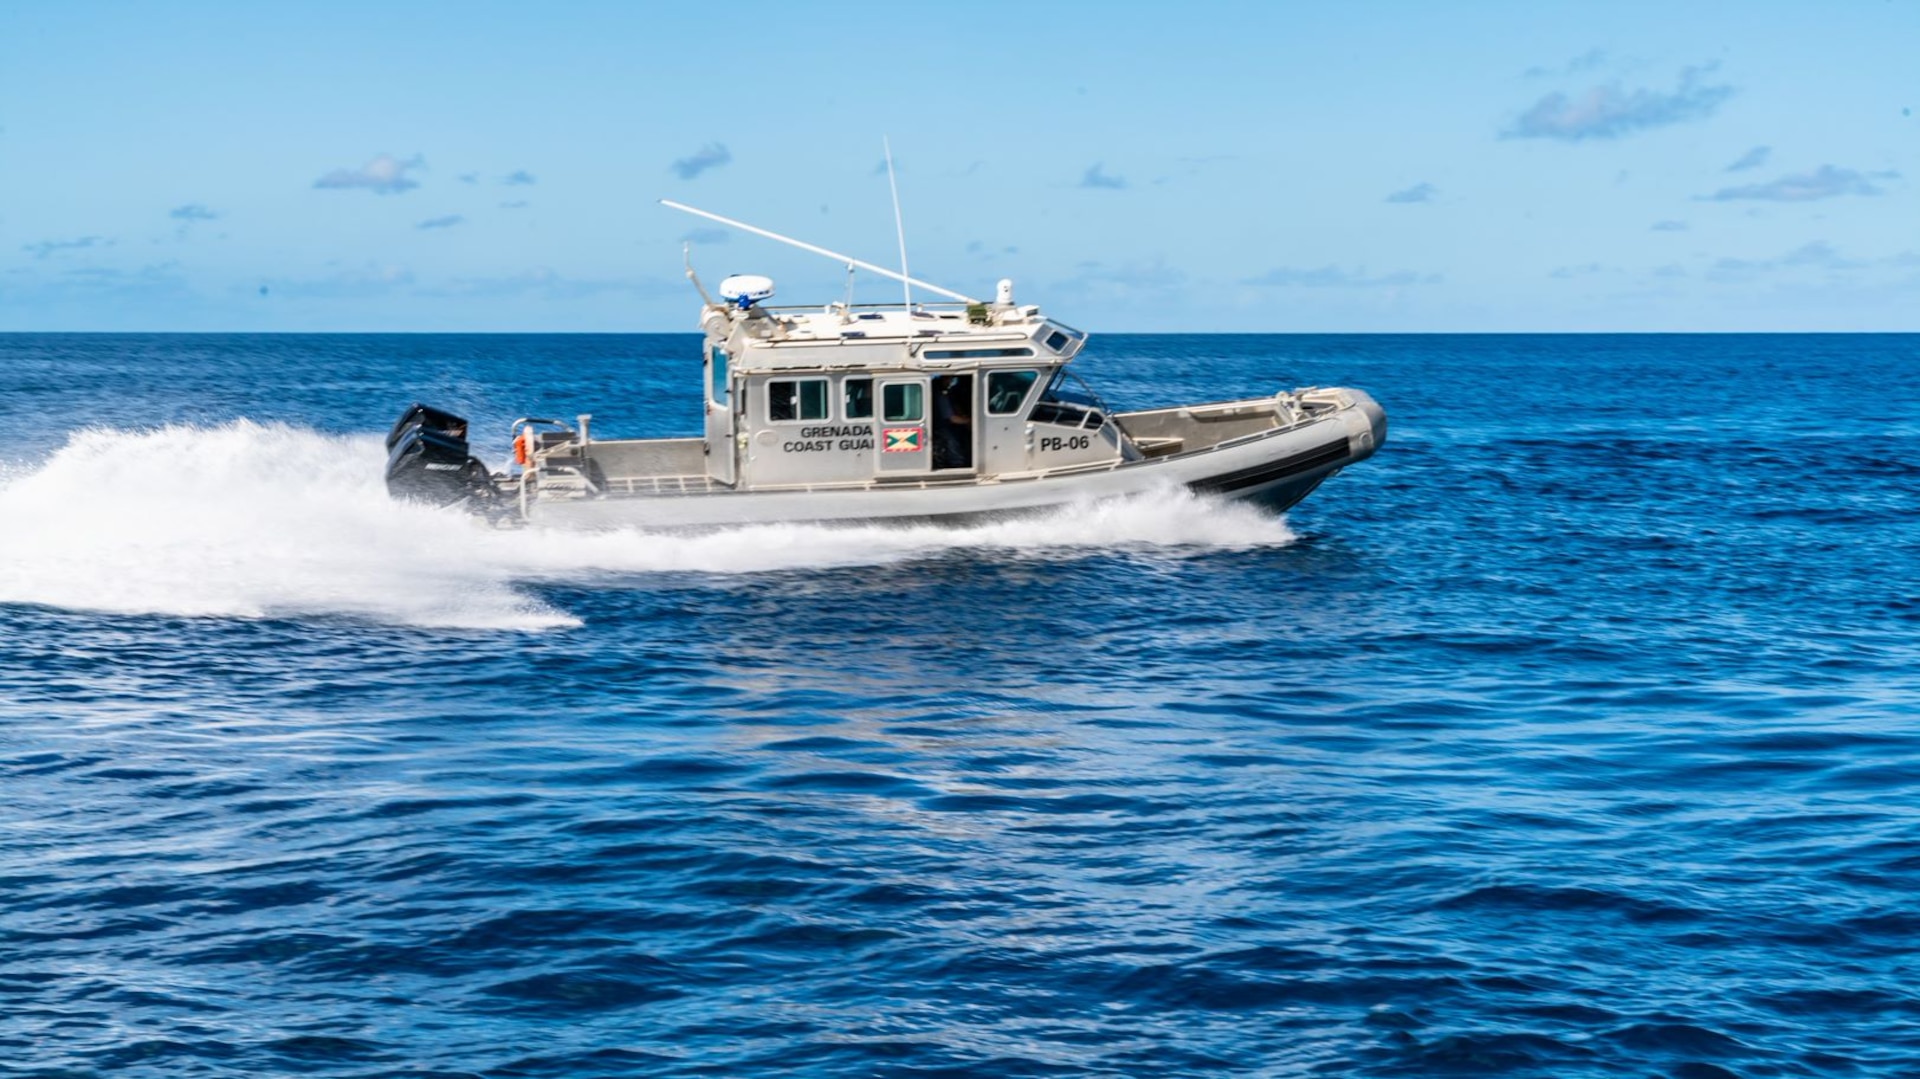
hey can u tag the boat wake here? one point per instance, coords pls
(254, 520)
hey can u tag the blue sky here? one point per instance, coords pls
(1170, 167)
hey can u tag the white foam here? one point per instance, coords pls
(260, 521)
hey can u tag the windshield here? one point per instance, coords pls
(1066, 388)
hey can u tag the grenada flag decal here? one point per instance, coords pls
(902, 439)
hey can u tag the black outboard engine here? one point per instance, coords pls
(427, 460)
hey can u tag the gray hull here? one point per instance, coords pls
(1274, 468)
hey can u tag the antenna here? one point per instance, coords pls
(804, 246)
(686, 252)
(899, 226)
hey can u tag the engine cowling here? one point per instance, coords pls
(428, 459)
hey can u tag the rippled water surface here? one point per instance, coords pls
(1575, 734)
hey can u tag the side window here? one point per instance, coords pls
(717, 388)
(902, 402)
(797, 399)
(1058, 415)
(813, 399)
(856, 398)
(1007, 390)
(783, 401)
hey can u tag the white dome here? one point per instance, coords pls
(746, 289)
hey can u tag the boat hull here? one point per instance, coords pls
(1274, 469)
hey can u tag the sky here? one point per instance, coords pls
(1166, 167)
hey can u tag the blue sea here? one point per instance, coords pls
(1575, 734)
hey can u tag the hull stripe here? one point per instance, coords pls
(1331, 453)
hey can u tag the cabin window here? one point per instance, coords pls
(797, 399)
(717, 369)
(978, 353)
(1067, 416)
(1068, 403)
(1063, 339)
(902, 402)
(1007, 390)
(1064, 387)
(1057, 415)
(856, 398)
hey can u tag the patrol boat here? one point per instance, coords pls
(910, 411)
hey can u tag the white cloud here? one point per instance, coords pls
(49, 247)
(1097, 177)
(711, 156)
(384, 175)
(1609, 111)
(1814, 255)
(1825, 182)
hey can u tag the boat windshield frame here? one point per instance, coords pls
(1079, 394)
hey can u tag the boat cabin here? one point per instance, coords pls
(852, 395)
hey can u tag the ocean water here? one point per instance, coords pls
(1575, 734)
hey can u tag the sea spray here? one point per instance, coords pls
(256, 520)
(243, 520)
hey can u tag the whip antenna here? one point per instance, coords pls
(804, 246)
(899, 227)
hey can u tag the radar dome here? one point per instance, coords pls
(746, 289)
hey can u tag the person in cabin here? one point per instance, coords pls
(952, 422)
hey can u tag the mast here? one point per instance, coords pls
(899, 226)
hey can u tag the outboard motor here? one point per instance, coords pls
(427, 460)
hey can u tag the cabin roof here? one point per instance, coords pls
(931, 336)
